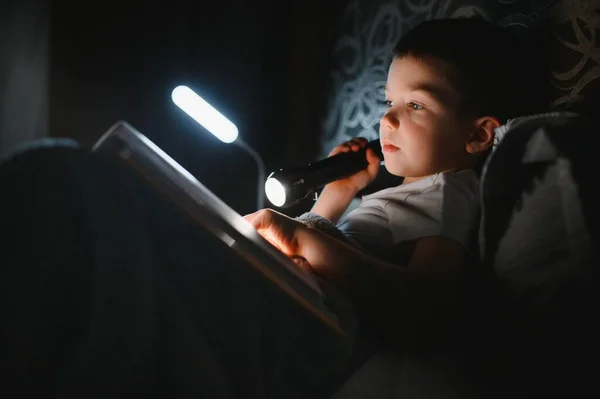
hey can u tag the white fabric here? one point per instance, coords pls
(445, 204)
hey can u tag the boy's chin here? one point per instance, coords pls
(395, 170)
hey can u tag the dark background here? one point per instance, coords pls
(261, 63)
(296, 76)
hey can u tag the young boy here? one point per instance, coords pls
(448, 89)
(109, 290)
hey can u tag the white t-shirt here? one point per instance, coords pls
(445, 204)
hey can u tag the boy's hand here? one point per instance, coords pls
(361, 179)
(277, 228)
(336, 196)
(281, 231)
(300, 243)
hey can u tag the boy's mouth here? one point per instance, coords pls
(389, 148)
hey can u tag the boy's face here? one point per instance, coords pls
(421, 133)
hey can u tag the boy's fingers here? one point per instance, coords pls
(353, 145)
(372, 158)
(374, 163)
(361, 141)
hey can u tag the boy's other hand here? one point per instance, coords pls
(359, 180)
(336, 196)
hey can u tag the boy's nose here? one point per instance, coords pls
(389, 121)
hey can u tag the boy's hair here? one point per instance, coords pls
(487, 64)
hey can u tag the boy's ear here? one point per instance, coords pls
(482, 135)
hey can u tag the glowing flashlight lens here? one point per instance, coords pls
(205, 114)
(275, 191)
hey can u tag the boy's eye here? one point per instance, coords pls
(414, 106)
(388, 103)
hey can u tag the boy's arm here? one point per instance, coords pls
(421, 294)
(333, 202)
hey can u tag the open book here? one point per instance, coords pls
(179, 185)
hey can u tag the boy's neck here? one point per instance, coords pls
(412, 179)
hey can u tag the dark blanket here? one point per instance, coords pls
(107, 291)
(538, 334)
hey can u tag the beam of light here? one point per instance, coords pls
(204, 113)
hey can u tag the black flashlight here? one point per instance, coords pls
(288, 186)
